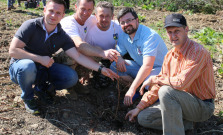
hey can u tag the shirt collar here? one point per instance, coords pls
(137, 35)
(183, 49)
(55, 30)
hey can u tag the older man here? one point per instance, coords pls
(185, 87)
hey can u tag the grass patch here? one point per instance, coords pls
(159, 28)
(220, 71)
(141, 18)
(209, 36)
(210, 39)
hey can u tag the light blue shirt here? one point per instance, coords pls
(47, 36)
(145, 43)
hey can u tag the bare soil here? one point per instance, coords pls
(93, 113)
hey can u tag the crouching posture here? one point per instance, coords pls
(32, 49)
(185, 87)
(145, 47)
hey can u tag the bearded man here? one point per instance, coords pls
(145, 47)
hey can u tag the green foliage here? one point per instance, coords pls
(141, 18)
(220, 71)
(208, 9)
(128, 4)
(117, 2)
(148, 7)
(9, 22)
(220, 114)
(209, 36)
(204, 6)
(69, 12)
(159, 28)
(171, 6)
(210, 39)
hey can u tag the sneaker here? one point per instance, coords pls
(31, 106)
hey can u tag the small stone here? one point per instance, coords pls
(18, 133)
(64, 91)
(215, 68)
(17, 99)
(3, 98)
(27, 131)
(34, 126)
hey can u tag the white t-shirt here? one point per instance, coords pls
(104, 39)
(73, 28)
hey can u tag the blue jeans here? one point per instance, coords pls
(26, 73)
(133, 68)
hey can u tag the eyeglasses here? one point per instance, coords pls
(127, 21)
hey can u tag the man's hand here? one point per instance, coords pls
(46, 61)
(146, 83)
(121, 64)
(111, 54)
(128, 97)
(132, 114)
(109, 73)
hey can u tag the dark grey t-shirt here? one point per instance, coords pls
(33, 35)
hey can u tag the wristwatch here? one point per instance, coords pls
(100, 68)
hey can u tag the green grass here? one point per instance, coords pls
(209, 36)
(220, 71)
(141, 17)
(220, 114)
(201, 6)
(159, 28)
(210, 39)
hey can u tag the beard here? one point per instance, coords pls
(130, 30)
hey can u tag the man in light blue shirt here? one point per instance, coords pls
(145, 47)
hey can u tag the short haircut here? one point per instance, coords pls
(105, 4)
(78, 1)
(126, 10)
(62, 2)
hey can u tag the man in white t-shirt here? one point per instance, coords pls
(77, 27)
(103, 35)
